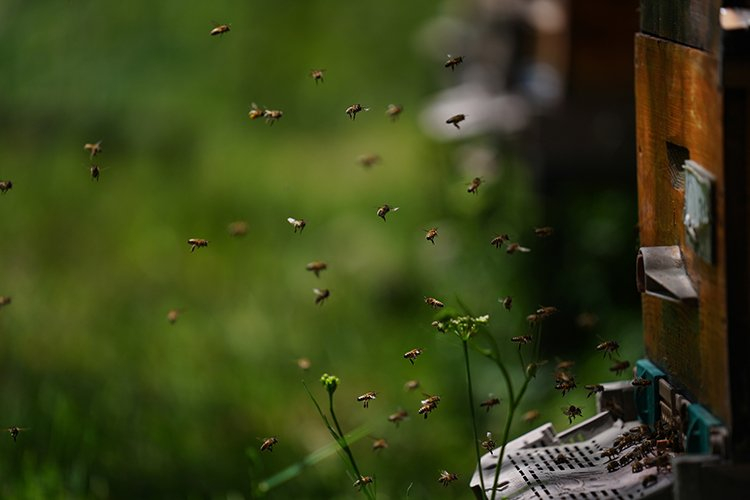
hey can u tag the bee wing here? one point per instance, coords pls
(318, 291)
(291, 220)
(395, 209)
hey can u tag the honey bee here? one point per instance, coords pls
(428, 405)
(354, 109)
(272, 115)
(610, 453)
(565, 365)
(498, 241)
(516, 247)
(560, 459)
(662, 461)
(316, 266)
(268, 443)
(489, 443)
(366, 398)
(219, 29)
(196, 242)
(431, 235)
(173, 315)
(303, 364)
(452, 62)
(93, 149)
(544, 232)
(649, 481)
(434, 303)
(593, 389)
(572, 412)
(608, 347)
(565, 385)
(490, 402)
(412, 355)
(507, 302)
(394, 111)
(455, 120)
(237, 228)
(362, 481)
(640, 382)
(321, 295)
(522, 339)
(431, 400)
(612, 466)
(447, 477)
(369, 160)
(530, 416)
(546, 311)
(5, 186)
(15, 431)
(256, 112)
(379, 444)
(398, 417)
(411, 385)
(619, 367)
(439, 326)
(317, 75)
(95, 171)
(474, 185)
(532, 318)
(385, 209)
(4, 300)
(297, 224)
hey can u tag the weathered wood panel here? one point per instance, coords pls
(690, 22)
(679, 102)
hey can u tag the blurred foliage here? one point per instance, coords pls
(121, 404)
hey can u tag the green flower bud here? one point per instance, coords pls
(330, 382)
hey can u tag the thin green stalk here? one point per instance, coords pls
(520, 357)
(471, 408)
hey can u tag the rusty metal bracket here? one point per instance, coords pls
(660, 272)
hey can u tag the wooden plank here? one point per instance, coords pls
(694, 23)
(678, 101)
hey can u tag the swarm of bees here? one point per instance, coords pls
(366, 398)
(433, 302)
(643, 448)
(268, 443)
(5, 186)
(412, 355)
(455, 120)
(383, 210)
(197, 243)
(352, 110)
(447, 477)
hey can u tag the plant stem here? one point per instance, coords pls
(471, 408)
(345, 446)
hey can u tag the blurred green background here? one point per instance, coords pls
(119, 403)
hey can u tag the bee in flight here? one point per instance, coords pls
(393, 111)
(197, 242)
(489, 403)
(498, 240)
(385, 209)
(412, 355)
(447, 477)
(428, 405)
(173, 315)
(268, 443)
(431, 235)
(316, 267)
(543, 232)
(304, 364)
(317, 75)
(530, 416)
(572, 412)
(368, 160)
(545, 311)
(522, 339)
(15, 431)
(452, 62)
(219, 29)
(516, 247)
(434, 303)
(256, 112)
(379, 444)
(619, 367)
(411, 385)
(507, 302)
(398, 417)
(608, 347)
(4, 300)
(297, 224)
(362, 481)
(354, 109)
(93, 148)
(238, 228)
(95, 171)
(272, 115)
(474, 185)
(593, 389)
(5, 186)
(455, 120)
(366, 398)
(489, 443)
(321, 295)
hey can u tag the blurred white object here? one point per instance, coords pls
(734, 19)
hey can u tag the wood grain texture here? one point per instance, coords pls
(678, 101)
(694, 23)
